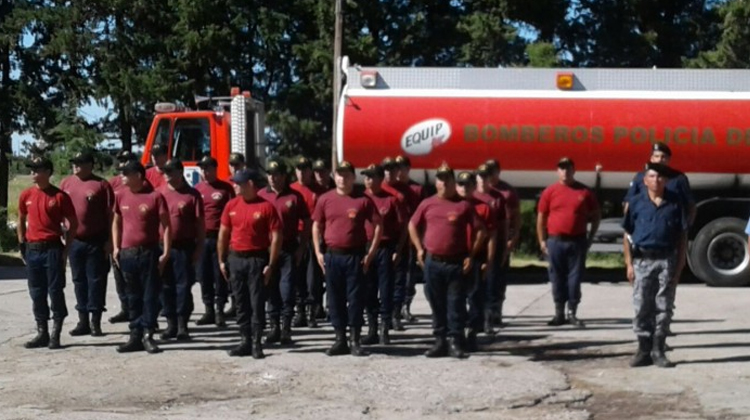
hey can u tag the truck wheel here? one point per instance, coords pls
(719, 254)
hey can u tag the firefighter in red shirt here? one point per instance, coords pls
(93, 200)
(155, 174)
(564, 210)
(45, 208)
(323, 180)
(292, 210)
(214, 289)
(249, 245)
(139, 213)
(339, 220)
(236, 164)
(438, 231)
(186, 216)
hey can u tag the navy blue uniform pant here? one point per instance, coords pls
(445, 290)
(46, 278)
(88, 265)
(478, 296)
(380, 282)
(177, 283)
(346, 289)
(120, 286)
(281, 293)
(567, 263)
(311, 284)
(140, 270)
(248, 289)
(214, 288)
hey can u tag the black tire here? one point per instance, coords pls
(719, 255)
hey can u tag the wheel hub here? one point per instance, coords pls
(727, 253)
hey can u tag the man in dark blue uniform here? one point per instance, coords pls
(654, 245)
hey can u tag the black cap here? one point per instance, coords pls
(388, 163)
(208, 161)
(466, 178)
(125, 155)
(659, 168)
(39, 162)
(319, 165)
(236, 159)
(484, 170)
(493, 165)
(246, 175)
(159, 150)
(661, 147)
(374, 171)
(345, 166)
(173, 165)
(302, 163)
(566, 163)
(276, 167)
(132, 167)
(83, 157)
(403, 161)
(445, 171)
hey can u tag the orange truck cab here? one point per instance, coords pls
(218, 127)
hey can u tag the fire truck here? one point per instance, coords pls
(603, 119)
(217, 127)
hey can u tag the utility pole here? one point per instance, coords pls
(339, 27)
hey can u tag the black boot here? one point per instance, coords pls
(232, 311)
(300, 316)
(149, 344)
(320, 312)
(183, 334)
(385, 337)
(643, 356)
(312, 320)
(396, 316)
(573, 319)
(499, 316)
(122, 316)
(355, 345)
(471, 341)
(286, 332)
(257, 347)
(339, 346)
(456, 347)
(54, 335)
(559, 318)
(208, 318)
(171, 331)
(244, 348)
(274, 334)
(372, 331)
(489, 329)
(135, 343)
(657, 352)
(42, 337)
(83, 327)
(439, 349)
(406, 313)
(96, 324)
(220, 320)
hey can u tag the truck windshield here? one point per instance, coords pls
(192, 139)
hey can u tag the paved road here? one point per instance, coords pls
(530, 371)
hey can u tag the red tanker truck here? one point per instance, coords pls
(604, 119)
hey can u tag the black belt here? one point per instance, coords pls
(249, 254)
(567, 238)
(447, 259)
(652, 253)
(96, 240)
(43, 245)
(212, 234)
(138, 249)
(346, 251)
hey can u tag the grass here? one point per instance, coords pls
(15, 187)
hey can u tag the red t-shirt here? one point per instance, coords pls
(116, 183)
(568, 208)
(93, 200)
(155, 177)
(215, 196)
(393, 214)
(141, 213)
(343, 218)
(251, 223)
(512, 201)
(45, 211)
(445, 223)
(495, 200)
(408, 195)
(486, 213)
(292, 210)
(185, 207)
(310, 198)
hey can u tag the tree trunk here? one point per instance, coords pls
(6, 116)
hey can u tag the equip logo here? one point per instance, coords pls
(421, 138)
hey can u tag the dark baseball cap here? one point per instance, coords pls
(319, 165)
(388, 163)
(661, 147)
(302, 163)
(132, 167)
(445, 171)
(40, 162)
(466, 178)
(236, 159)
(125, 155)
(159, 150)
(484, 170)
(345, 166)
(173, 165)
(659, 168)
(276, 166)
(247, 175)
(83, 157)
(403, 161)
(374, 171)
(566, 163)
(493, 165)
(208, 161)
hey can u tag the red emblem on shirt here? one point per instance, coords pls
(352, 213)
(217, 196)
(89, 195)
(143, 208)
(383, 211)
(452, 216)
(181, 205)
(257, 215)
(289, 204)
(52, 203)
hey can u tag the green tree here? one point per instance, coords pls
(733, 47)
